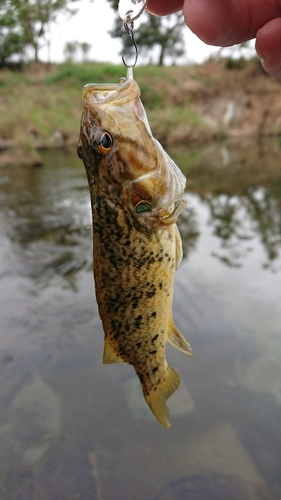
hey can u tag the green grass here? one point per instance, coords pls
(38, 101)
(82, 73)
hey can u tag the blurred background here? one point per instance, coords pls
(70, 427)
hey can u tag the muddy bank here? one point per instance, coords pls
(222, 103)
(190, 104)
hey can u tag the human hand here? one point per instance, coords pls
(228, 22)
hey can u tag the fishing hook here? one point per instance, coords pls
(129, 27)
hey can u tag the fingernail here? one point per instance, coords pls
(258, 51)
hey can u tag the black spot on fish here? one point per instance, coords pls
(138, 344)
(138, 321)
(150, 293)
(153, 352)
(160, 286)
(155, 337)
(155, 369)
(153, 314)
(123, 353)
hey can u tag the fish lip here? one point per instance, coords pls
(111, 93)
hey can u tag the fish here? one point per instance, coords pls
(136, 197)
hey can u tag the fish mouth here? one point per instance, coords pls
(116, 94)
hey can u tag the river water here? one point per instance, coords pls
(72, 428)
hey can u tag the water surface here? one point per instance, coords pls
(72, 428)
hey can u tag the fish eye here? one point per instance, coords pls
(143, 207)
(104, 142)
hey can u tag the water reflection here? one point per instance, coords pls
(72, 428)
(46, 215)
(242, 189)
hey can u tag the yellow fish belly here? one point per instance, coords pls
(134, 274)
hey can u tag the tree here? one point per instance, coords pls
(10, 44)
(85, 48)
(70, 50)
(30, 19)
(11, 39)
(164, 33)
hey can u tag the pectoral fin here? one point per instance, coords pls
(156, 399)
(177, 340)
(109, 355)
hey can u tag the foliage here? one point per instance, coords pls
(232, 63)
(82, 73)
(71, 49)
(163, 33)
(25, 23)
(11, 37)
(10, 44)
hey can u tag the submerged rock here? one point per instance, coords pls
(33, 422)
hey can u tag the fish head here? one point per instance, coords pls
(123, 160)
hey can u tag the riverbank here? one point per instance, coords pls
(41, 107)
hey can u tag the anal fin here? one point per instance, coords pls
(109, 355)
(177, 340)
(156, 399)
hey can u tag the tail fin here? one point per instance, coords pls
(156, 399)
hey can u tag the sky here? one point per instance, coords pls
(92, 23)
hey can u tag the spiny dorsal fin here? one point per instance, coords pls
(177, 340)
(109, 355)
(156, 399)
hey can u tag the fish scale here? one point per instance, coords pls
(136, 192)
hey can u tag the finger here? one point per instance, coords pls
(163, 8)
(229, 22)
(268, 45)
